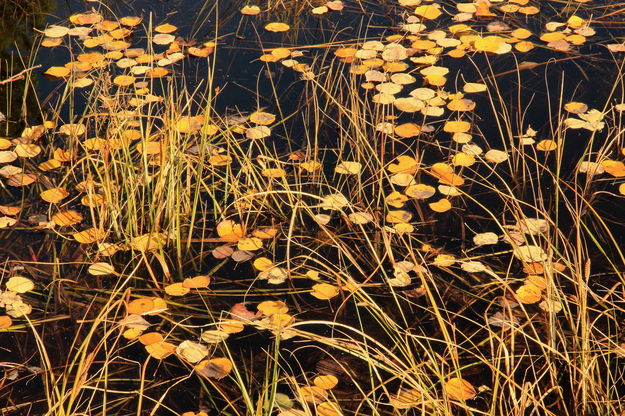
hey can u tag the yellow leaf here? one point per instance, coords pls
(328, 409)
(404, 164)
(263, 263)
(101, 269)
(165, 28)
(230, 230)
(250, 244)
(216, 368)
(90, 235)
(459, 389)
(326, 382)
(428, 12)
(197, 282)
(176, 289)
(324, 291)
(348, 168)
(19, 284)
(150, 338)
(442, 205)
(398, 216)
(57, 72)
(67, 218)
(250, 10)
(407, 130)
(272, 307)
(54, 195)
(529, 293)
(160, 350)
(277, 27)
(262, 118)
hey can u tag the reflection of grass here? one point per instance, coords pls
(157, 174)
(17, 20)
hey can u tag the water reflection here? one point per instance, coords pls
(18, 21)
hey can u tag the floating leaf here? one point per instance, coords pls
(230, 230)
(216, 368)
(250, 10)
(529, 294)
(250, 244)
(459, 389)
(101, 269)
(324, 291)
(442, 205)
(176, 289)
(197, 282)
(19, 284)
(54, 195)
(326, 382)
(67, 218)
(484, 239)
(530, 254)
(348, 168)
(160, 350)
(191, 351)
(277, 27)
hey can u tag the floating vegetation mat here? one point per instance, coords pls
(411, 207)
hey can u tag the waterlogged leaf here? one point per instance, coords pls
(19, 284)
(324, 291)
(191, 351)
(473, 87)
(277, 27)
(591, 168)
(532, 226)
(348, 168)
(406, 399)
(124, 80)
(547, 145)
(262, 118)
(242, 255)
(484, 239)
(165, 28)
(163, 39)
(101, 269)
(459, 389)
(319, 10)
(230, 231)
(530, 254)
(551, 306)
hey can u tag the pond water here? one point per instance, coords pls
(362, 210)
